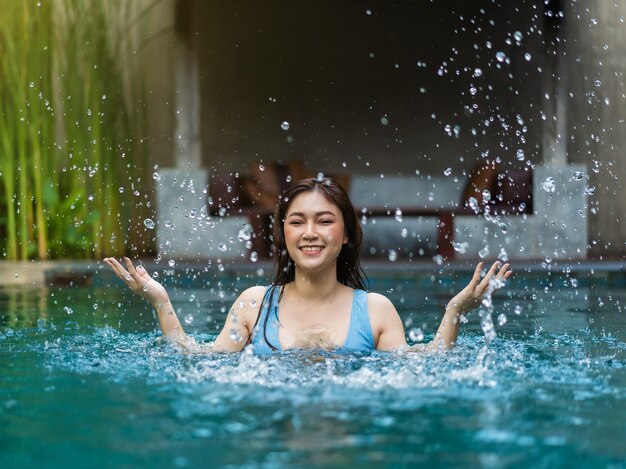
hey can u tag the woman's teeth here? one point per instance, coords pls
(311, 248)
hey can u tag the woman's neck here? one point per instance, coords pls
(315, 286)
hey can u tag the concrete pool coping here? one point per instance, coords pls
(44, 273)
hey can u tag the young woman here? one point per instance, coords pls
(318, 297)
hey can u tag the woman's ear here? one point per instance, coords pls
(345, 238)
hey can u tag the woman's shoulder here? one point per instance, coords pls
(384, 317)
(379, 303)
(255, 293)
(248, 302)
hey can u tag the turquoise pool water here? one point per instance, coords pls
(87, 383)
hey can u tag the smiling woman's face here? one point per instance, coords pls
(314, 231)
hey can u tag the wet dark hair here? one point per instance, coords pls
(349, 271)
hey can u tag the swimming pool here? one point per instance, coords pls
(86, 382)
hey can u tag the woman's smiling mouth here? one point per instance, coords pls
(311, 249)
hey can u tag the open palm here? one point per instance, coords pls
(471, 296)
(139, 280)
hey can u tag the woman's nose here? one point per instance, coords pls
(310, 232)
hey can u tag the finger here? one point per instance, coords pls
(118, 269)
(491, 271)
(502, 272)
(482, 286)
(131, 269)
(476, 276)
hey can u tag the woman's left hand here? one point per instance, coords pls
(471, 296)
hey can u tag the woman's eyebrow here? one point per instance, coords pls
(317, 214)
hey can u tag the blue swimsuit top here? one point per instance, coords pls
(360, 337)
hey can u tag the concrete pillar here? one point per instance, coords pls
(554, 106)
(595, 63)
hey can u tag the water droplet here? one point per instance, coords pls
(486, 324)
(517, 35)
(527, 56)
(254, 256)
(517, 310)
(473, 204)
(503, 256)
(416, 334)
(171, 263)
(121, 189)
(486, 195)
(284, 126)
(245, 232)
(548, 185)
(597, 83)
(393, 255)
(384, 120)
(478, 72)
(578, 175)
(188, 319)
(447, 172)
(500, 56)
(68, 310)
(460, 247)
(520, 155)
(149, 223)
(484, 252)
(88, 112)
(501, 319)
(404, 232)
(473, 90)
(156, 176)
(398, 215)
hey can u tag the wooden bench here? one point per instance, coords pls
(513, 195)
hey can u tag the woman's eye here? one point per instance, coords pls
(326, 222)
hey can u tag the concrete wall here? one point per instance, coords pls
(372, 85)
(381, 88)
(594, 54)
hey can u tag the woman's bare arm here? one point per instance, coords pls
(468, 299)
(388, 328)
(141, 283)
(234, 334)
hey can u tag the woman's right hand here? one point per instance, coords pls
(139, 281)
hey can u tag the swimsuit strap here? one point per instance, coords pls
(260, 346)
(360, 336)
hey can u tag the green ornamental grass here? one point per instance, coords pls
(71, 127)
